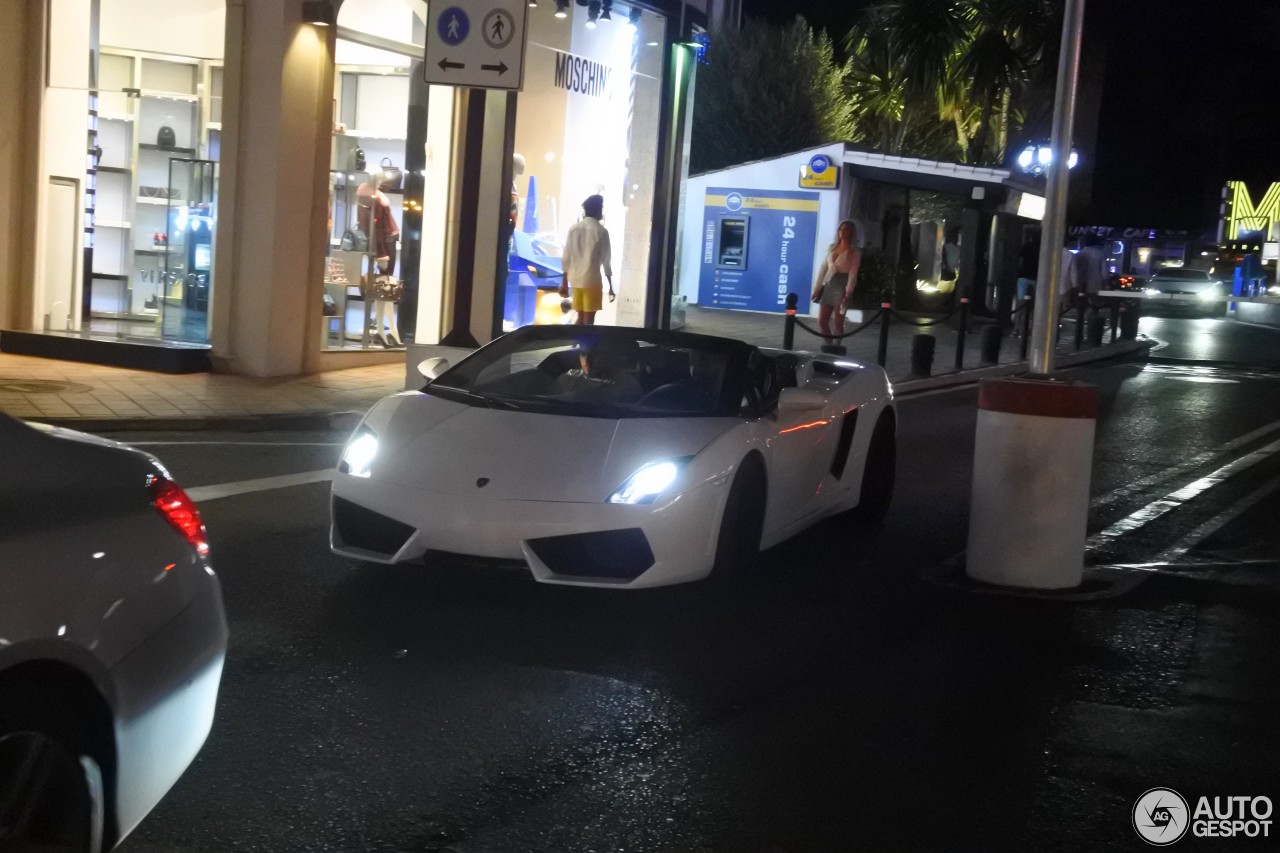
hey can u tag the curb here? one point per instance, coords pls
(346, 421)
(1100, 583)
(301, 422)
(905, 387)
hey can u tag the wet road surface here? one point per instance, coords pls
(840, 699)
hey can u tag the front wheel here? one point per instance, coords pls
(879, 473)
(742, 525)
(50, 799)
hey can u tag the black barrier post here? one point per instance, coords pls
(1129, 319)
(990, 347)
(1027, 308)
(1097, 325)
(1116, 308)
(882, 352)
(789, 324)
(960, 331)
(922, 347)
(1081, 305)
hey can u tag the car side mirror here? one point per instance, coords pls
(430, 368)
(793, 400)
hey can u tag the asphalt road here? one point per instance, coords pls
(852, 695)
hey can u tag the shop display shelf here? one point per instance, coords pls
(113, 170)
(148, 146)
(170, 96)
(107, 223)
(115, 117)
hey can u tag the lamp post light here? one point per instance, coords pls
(1036, 158)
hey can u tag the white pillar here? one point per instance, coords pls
(1031, 474)
(273, 192)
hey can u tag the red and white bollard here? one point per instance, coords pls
(1032, 463)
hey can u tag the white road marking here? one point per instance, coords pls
(1213, 525)
(1182, 468)
(204, 494)
(237, 443)
(1173, 500)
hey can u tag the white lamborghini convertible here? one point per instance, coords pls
(614, 457)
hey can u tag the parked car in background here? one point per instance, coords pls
(112, 638)
(1185, 290)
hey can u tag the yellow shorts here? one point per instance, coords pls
(586, 299)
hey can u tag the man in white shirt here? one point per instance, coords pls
(586, 251)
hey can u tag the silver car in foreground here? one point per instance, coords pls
(112, 638)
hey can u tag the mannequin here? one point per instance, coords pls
(384, 234)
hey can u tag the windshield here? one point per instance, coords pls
(604, 372)
(1183, 275)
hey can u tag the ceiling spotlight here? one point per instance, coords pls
(533, 4)
(593, 14)
(562, 8)
(633, 20)
(605, 10)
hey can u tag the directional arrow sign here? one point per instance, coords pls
(475, 43)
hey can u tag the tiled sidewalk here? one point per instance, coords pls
(48, 389)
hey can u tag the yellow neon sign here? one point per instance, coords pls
(1244, 216)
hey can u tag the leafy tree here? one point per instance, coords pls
(765, 91)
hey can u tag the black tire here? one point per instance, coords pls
(878, 473)
(742, 525)
(50, 798)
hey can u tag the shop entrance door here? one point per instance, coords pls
(188, 250)
(62, 237)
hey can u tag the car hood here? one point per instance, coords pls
(442, 446)
(1169, 285)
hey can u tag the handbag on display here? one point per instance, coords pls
(330, 306)
(392, 175)
(358, 161)
(166, 138)
(387, 288)
(354, 240)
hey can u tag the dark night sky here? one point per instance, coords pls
(1188, 101)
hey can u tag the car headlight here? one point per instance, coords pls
(357, 457)
(651, 480)
(1151, 291)
(1211, 293)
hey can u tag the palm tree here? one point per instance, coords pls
(1005, 41)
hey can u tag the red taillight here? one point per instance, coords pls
(180, 511)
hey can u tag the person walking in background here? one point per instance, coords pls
(586, 252)
(1089, 269)
(1028, 273)
(837, 278)
(950, 257)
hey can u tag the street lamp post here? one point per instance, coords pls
(1044, 324)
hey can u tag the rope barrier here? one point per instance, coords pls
(865, 324)
(925, 323)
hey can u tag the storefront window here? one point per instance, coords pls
(586, 124)
(382, 253)
(154, 132)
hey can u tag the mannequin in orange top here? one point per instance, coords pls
(376, 221)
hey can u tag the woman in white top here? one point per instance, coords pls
(837, 277)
